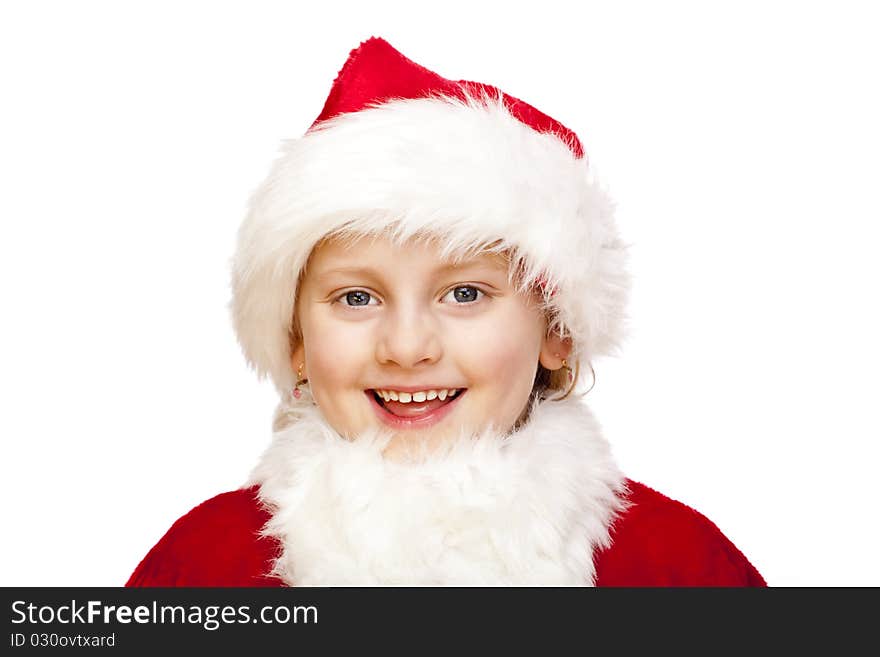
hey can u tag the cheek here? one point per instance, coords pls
(337, 357)
(506, 351)
(335, 351)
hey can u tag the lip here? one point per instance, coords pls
(420, 422)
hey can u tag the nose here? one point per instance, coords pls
(409, 337)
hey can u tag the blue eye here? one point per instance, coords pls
(357, 298)
(465, 294)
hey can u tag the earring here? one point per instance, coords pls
(566, 367)
(571, 374)
(297, 393)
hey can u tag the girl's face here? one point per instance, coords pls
(449, 347)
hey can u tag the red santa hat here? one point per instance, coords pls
(401, 150)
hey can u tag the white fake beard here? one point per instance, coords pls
(529, 508)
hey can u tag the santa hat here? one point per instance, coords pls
(401, 150)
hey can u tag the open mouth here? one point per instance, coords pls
(414, 413)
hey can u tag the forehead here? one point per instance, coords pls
(379, 253)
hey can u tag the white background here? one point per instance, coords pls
(739, 139)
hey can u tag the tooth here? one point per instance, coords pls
(441, 395)
(432, 394)
(393, 395)
(385, 395)
(404, 397)
(453, 392)
(419, 396)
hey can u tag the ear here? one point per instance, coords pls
(553, 350)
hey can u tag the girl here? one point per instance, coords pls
(425, 276)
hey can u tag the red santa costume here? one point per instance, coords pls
(397, 147)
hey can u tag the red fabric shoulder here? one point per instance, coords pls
(658, 541)
(215, 544)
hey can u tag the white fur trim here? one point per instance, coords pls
(526, 509)
(465, 170)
